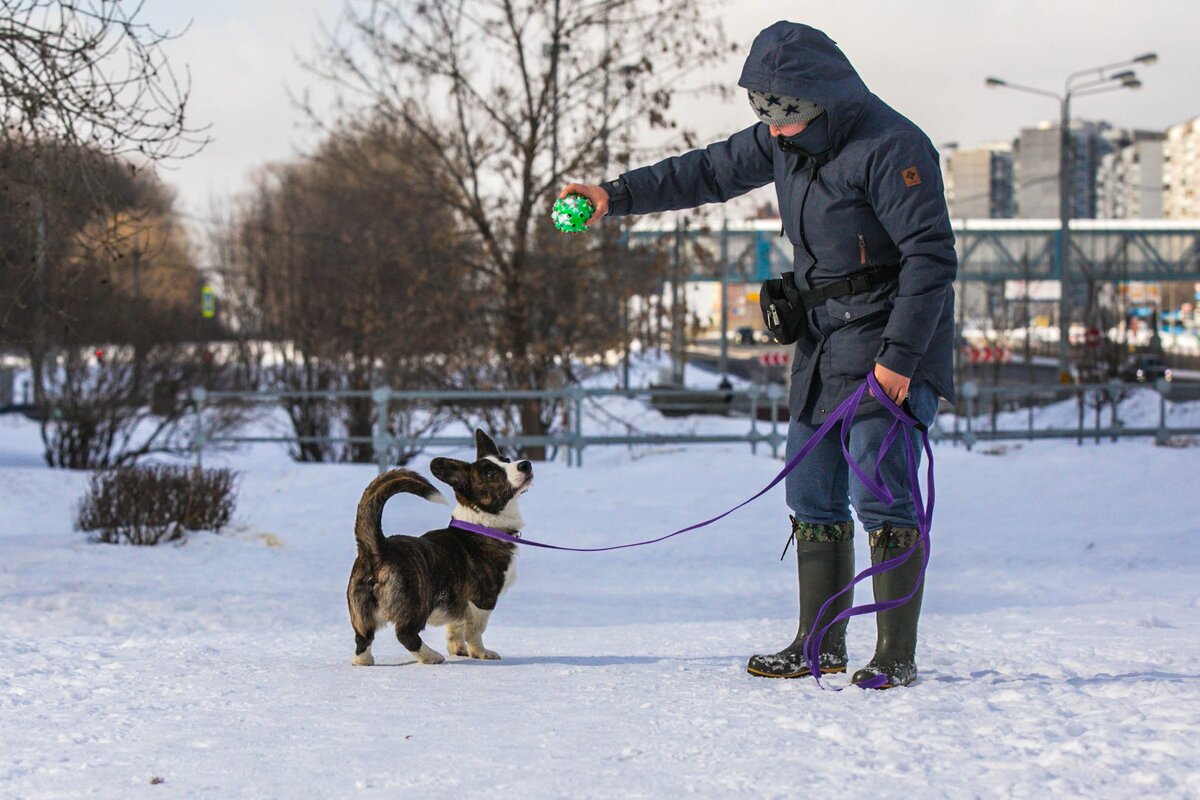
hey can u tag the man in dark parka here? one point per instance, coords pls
(860, 194)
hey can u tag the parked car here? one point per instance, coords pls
(747, 334)
(1144, 368)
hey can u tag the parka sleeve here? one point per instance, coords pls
(714, 174)
(905, 190)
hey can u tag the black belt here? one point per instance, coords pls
(857, 283)
(785, 307)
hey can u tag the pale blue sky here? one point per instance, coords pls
(928, 58)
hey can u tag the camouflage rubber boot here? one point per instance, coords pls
(896, 639)
(824, 564)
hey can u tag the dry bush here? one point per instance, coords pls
(146, 505)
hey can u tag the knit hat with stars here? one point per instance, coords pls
(778, 109)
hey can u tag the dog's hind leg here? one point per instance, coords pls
(476, 622)
(362, 619)
(362, 650)
(411, 641)
(456, 644)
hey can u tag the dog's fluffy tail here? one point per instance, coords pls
(368, 526)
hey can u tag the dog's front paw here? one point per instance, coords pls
(489, 655)
(363, 660)
(427, 655)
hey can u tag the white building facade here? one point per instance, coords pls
(1181, 171)
(1129, 181)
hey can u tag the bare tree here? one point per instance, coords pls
(348, 263)
(85, 79)
(117, 304)
(90, 73)
(511, 96)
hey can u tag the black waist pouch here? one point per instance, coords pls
(782, 310)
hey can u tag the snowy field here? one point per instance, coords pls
(1060, 647)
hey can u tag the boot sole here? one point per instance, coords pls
(893, 685)
(802, 674)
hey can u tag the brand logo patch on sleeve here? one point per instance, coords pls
(911, 176)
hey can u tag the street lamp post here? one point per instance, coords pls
(1103, 79)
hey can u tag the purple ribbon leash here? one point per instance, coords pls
(923, 513)
(844, 412)
(808, 447)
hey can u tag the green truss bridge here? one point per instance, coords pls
(989, 250)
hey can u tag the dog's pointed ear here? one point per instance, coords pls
(484, 446)
(450, 471)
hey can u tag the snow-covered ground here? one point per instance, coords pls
(1060, 647)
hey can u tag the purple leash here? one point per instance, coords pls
(844, 412)
(923, 513)
(808, 447)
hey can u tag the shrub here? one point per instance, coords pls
(145, 505)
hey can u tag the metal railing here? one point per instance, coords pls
(764, 407)
(982, 408)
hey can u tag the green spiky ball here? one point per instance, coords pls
(571, 213)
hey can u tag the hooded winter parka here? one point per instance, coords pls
(861, 186)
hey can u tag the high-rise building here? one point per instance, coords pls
(979, 181)
(1181, 171)
(1036, 168)
(1129, 181)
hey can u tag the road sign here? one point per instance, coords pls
(988, 354)
(1093, 337)
(777, 358)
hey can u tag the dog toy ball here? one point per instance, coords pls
(571, 213)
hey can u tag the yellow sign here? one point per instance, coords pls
(208, 302)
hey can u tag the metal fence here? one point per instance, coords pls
(6, 387)
(977, 418)
(764, 406)
(984, 409)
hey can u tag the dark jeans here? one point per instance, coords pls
(821, 489)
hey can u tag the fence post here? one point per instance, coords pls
(568, 446)
(774, 393)
(1115, 388)
(754, 392)
(1082, 402)
(574, 401)
(199, 393)
(379, 439)
(970, 391)
(1163, 387)
(1029, 398)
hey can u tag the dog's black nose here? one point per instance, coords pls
(524, 466)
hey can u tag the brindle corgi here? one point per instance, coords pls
(446, 577)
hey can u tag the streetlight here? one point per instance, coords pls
(1101, 79)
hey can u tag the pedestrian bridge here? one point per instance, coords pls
(988, 249)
